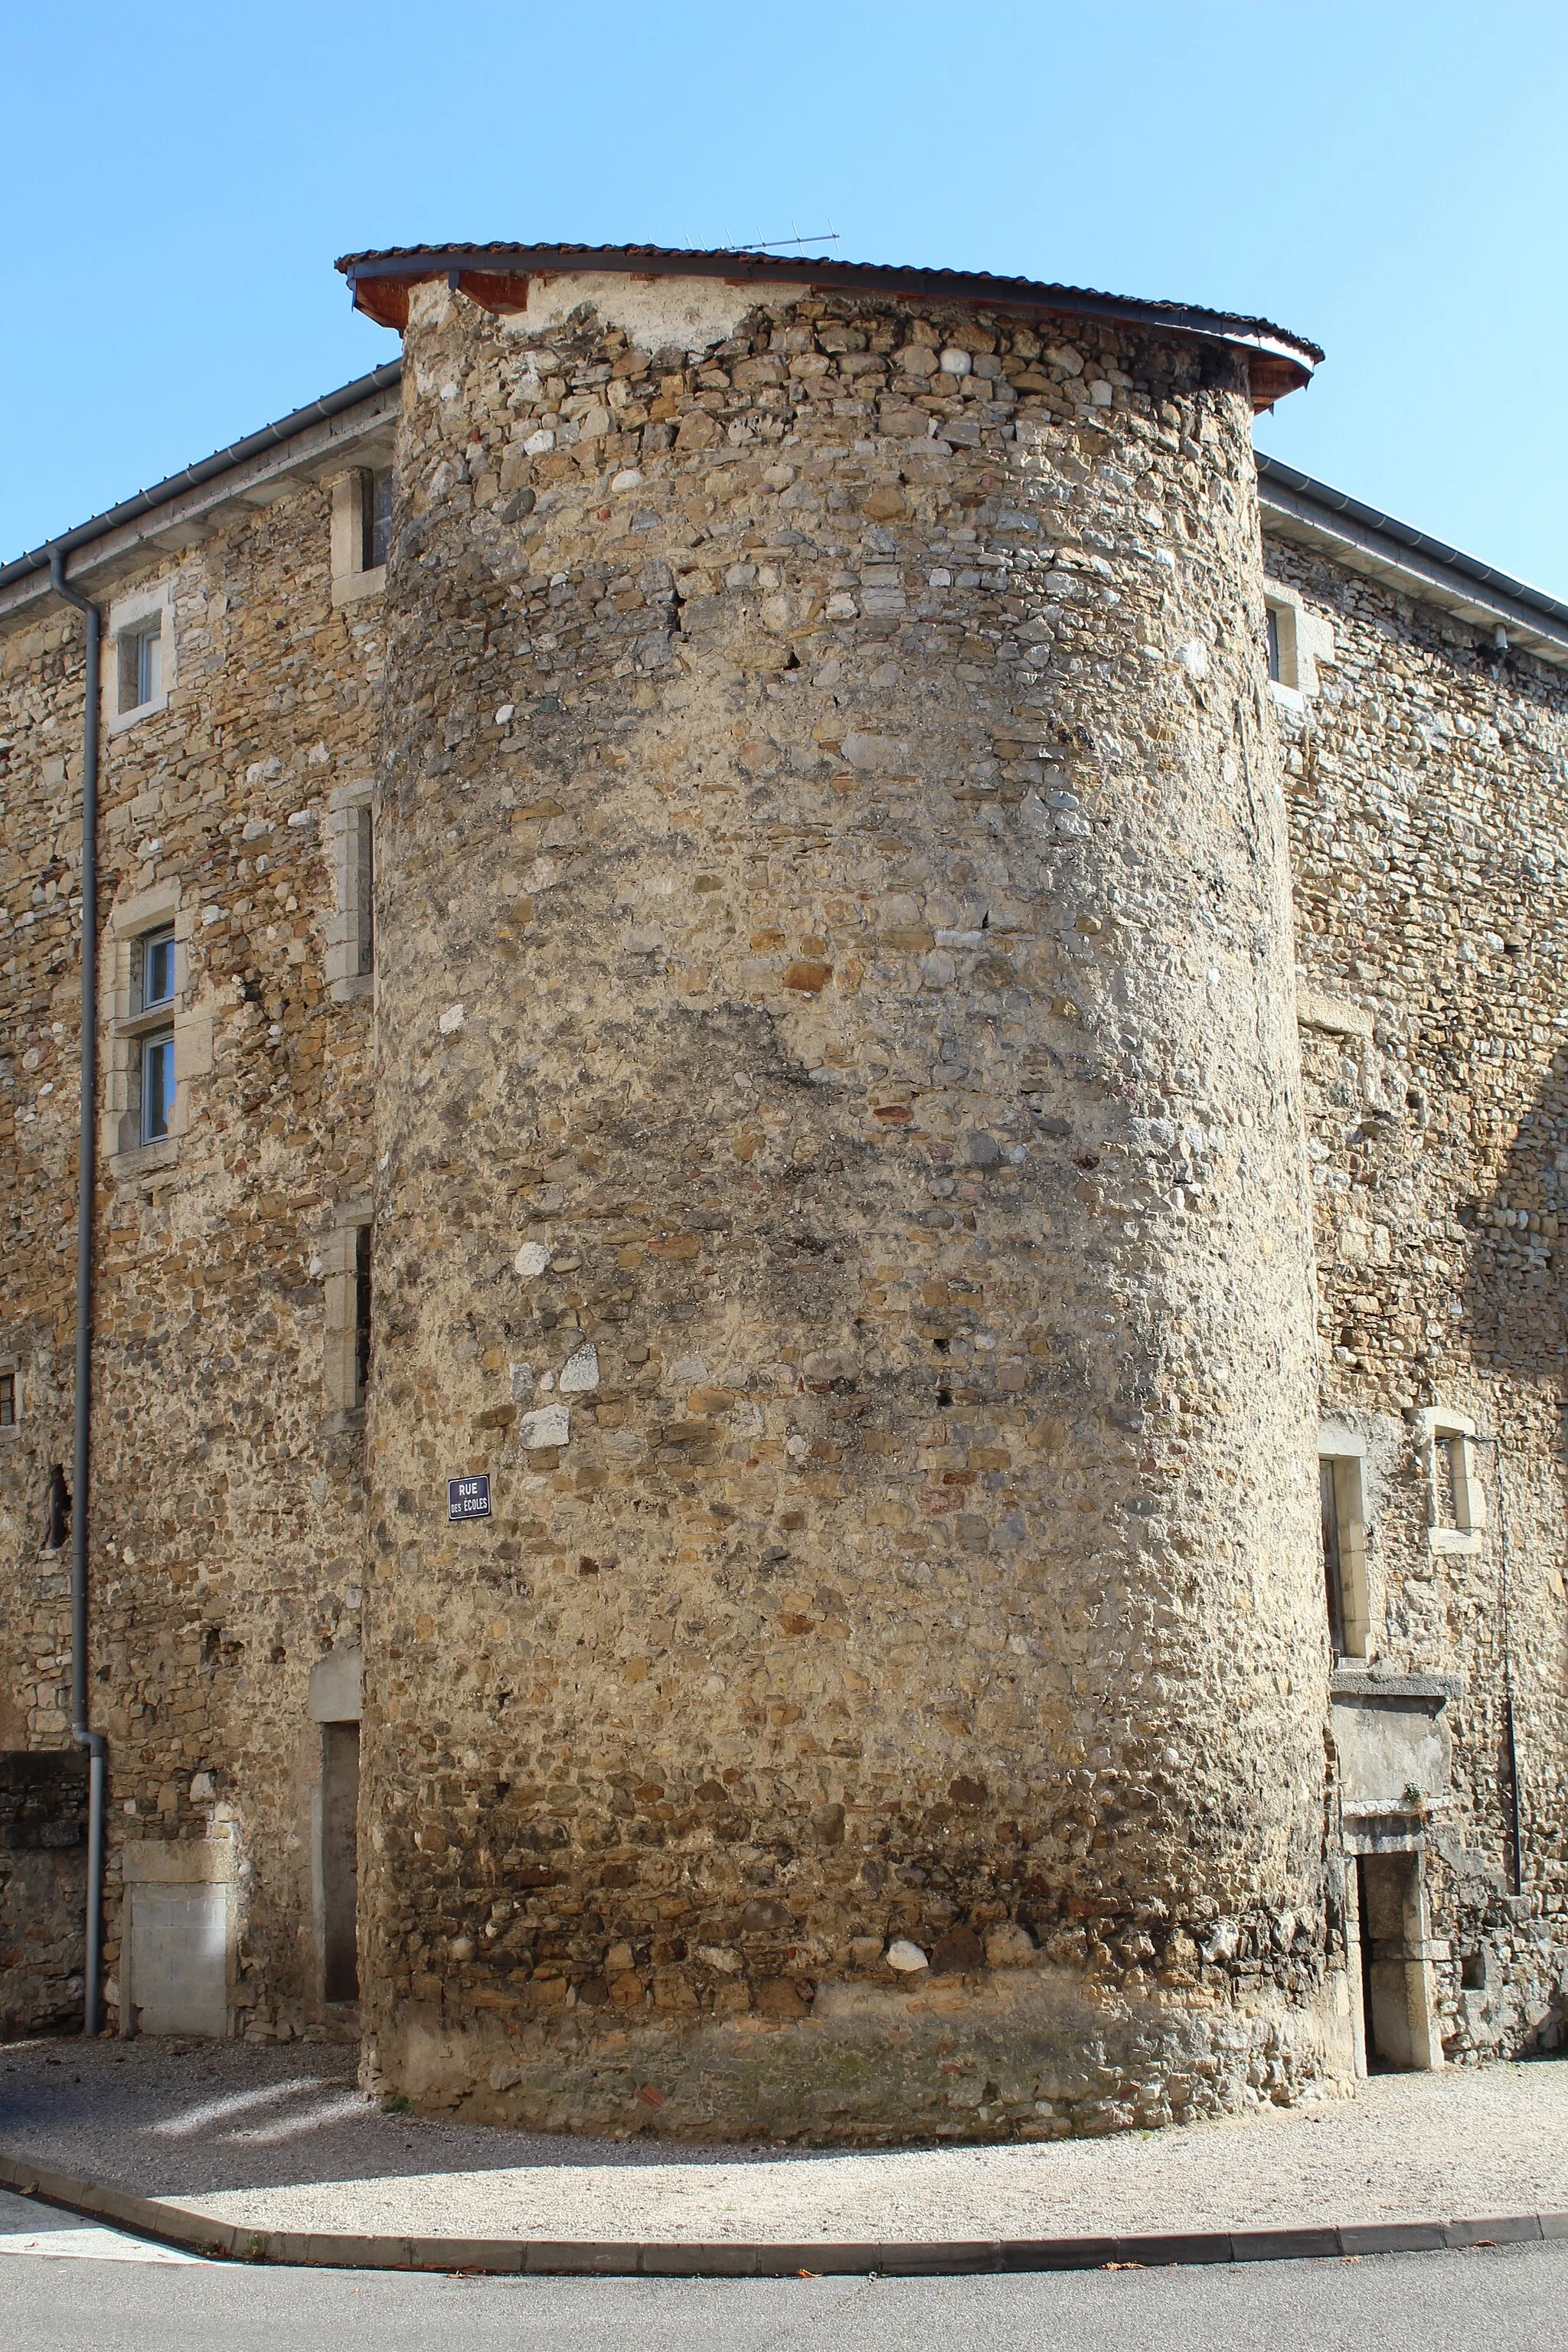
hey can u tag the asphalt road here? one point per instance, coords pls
(1506, 2300)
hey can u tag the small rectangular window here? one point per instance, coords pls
(157, 1086)
(7, 1400)
(140, 665)
(364, 887)
(1271, 620)
(375, 517)
(1456, 1501)
(1333, 1564)
(1444, 1483)
(361, 1312)
(1345, 1584)
(157, 970)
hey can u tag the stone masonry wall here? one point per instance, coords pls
(43, 1883)
(227, 1526)
(1428, 782)
(840, 1176)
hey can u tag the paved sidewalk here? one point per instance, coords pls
(281, 2139)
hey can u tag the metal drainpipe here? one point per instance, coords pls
(86, 1170)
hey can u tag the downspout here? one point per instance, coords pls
(87, 1172)
(1510, 1737)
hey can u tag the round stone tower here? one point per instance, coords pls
(841, 1184)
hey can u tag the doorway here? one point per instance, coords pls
(1398, 1986)
(340, 1861)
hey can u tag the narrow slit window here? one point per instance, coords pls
(364, 888)
(1333, 1565)
(1345, 1563)
(375, 517)
(157, 1086)
(361, 1312)
(1271, 626)
(7, 1400)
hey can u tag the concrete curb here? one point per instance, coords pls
(176, 2225)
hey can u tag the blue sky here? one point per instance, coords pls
(1385, 178)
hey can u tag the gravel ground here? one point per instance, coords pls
(282, 2139)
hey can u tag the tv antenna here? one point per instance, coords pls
(783, 243)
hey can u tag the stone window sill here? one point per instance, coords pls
(119, 720)
(348, 587)
(145, 1159)
(354, 987)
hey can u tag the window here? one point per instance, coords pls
(157, 969)
(141, 666)
(346, 1264)
(155, 1029)
(361, 524)
(157, 1086)
(351, 929)
(155, 988)
(140, 670)
(1456, 1499)
(364, 887)
(7, 1400)
(361, 1312)
(1280, 621)
(375, 517)
(1343, 1518)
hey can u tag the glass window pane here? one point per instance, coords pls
(380, 503)
(157, 1088)
(150, 664)
(7, 1400)
(158, 969)
(364, 888)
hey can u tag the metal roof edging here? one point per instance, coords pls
(205, 469)
(959, 286)
(1425, 564)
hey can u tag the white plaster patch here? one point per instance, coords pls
(694, 312)
(451, 1021)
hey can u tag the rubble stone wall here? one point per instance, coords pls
(227, 1523)
(844, 1170)
(1426, 780)
(840, 1177)
(43, 1888)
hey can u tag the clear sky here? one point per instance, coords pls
(1384, 176)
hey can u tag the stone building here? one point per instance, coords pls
(828, 1349)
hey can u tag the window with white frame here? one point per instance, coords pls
(140, 672)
